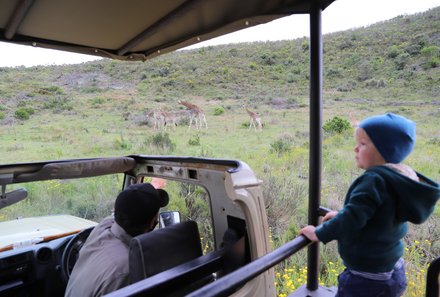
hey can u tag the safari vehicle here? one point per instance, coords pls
(39, 252)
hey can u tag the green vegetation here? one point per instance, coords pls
(98, 109)
(218, 110)
(23, 113)
(336, 125)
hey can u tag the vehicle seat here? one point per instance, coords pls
(162, 249)
(433, 279)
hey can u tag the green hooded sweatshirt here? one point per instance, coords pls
(373, 221)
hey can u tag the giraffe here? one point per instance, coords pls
(158, 119)
(170, 119)
(197, 115)
(254, 119)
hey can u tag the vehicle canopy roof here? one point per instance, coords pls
(132, 29)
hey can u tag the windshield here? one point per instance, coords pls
(57, 208)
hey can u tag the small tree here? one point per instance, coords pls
(336, 125)
(218, 110)
(22, 114)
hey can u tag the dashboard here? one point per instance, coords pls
(34, 270)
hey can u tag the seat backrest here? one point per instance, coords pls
(433, 279)
(162, 249)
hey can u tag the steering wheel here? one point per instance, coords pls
(71, 253)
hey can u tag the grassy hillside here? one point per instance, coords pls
(99, 109)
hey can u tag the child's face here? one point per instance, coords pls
(366, 154)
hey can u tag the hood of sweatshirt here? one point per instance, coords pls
(416, 200)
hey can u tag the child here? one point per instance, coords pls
(373, 221)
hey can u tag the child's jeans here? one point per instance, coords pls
(350, 285)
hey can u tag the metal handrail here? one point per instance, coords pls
(229, 283)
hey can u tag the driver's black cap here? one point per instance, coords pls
(139, 203)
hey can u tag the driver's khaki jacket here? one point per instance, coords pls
(102, 266)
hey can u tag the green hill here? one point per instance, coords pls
(395, 60)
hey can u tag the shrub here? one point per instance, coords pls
(336, 125)
(162, 141)
(430, 51)
(401, 61)
(305, 45)
(268, 59)
(219, 110)
(347, 86)
(121, 143)
(393, 51)
(365, 71)
(97, 101)
(434, 62)
(29, 110)
(21, 114)
(2, 115)
(281, 146)
(58, 104)
(375, 83)
(52, 90)
(334, 73)
(253, 65)
(434, 141)
(194, 140)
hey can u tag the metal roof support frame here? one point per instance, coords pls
(315, 153)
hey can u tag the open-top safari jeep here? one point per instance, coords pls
(38, 253)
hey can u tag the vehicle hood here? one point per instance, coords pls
(38, 228)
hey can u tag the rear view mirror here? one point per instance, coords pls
(168, 218)
(10, 198)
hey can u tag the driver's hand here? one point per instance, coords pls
(158, 183)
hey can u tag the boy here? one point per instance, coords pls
(373, 221)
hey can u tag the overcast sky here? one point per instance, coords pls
(341, 15)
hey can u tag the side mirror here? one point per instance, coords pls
(10, 198)
(168, 218)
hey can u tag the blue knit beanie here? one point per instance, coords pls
(394, 136)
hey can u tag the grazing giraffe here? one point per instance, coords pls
(197, 115)
(170, 119)
(254, 119)
(158, 119)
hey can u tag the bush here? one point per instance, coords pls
(219, 110)
(393, 51)
(52, 90)
(336, 125)
(162, 141)
(120, 143)
(97, 101)
(434, 62)
(58, 104)
(2, 115)
(194, 140)
(29, 110)
(430, 51)
(281, 146)
(21, 114)
(401, 61)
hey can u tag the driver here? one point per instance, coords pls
(102, 265)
